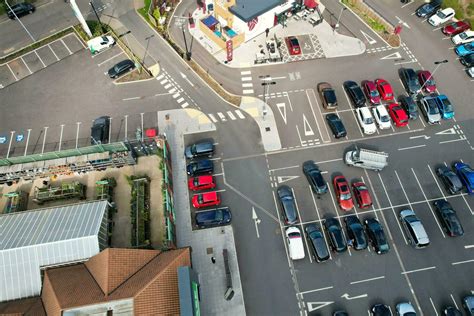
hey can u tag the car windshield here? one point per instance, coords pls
(219, 216)
(463, 35)
(384, 119)
(448, 107)
(294, 42)
(329, 95)
(380, 236)
(294, 235)
(200, 199)
(433, 109)
(315, 235)
(374, 93)
(346, 196)
(362, 188)
(441, 15)
(368, 120)
(196, 181)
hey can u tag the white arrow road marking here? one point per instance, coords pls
(369, 39)
(286, 178)
(308, 131)
(282, 109)
(419, 136)
(346, 296)
(449, 131)
(319, 305)
(395, 55)
(256, 220)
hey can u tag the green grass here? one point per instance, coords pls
(144, 11)
(456, 5)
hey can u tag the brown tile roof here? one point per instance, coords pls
(27, 307)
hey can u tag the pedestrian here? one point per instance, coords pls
(213, 260)
(267, 31)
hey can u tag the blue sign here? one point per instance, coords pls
(19, 138)
(3, 139)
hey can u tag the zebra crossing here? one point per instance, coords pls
(225, 116)
(170, 85)
(247, 84)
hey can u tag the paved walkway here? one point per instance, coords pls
(206, 243)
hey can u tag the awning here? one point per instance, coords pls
(310, 4)
(210, 21)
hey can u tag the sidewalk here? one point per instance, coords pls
(205, 243)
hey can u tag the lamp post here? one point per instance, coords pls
(147, 39)
(16, 18)
(339, 18)
(266, 82)
(97, 16)
(437, 63)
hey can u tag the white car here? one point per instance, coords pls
(470, 72)
(463, 38)
(100, 43)
(366, 120)
(295, 243)
(442, 16)
(381, 117)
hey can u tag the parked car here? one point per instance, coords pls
(201, 183)
(445, 107)
(293, 45)
(376, 235)
(361, 194)
(327, 95)
(200, 167)
(451, 311)
(468, 304)
(467, 60)
(405, 309)
(343, 193)
(366, 120)
(287, 201)
(399, 117)
(464, 49)
(200, 149)
(382, 118)
(340, 313)
(206, 199)
(337, 242)
(385, 89)
(20, 10)
(295, 243)
(457, 27)
(121, 68)
(430, 109)
(336, 125)
(448, 218)
(100, 130)
(355, 232)
(466, 174)
(315, 178)
(410, 80)
(409, 105)
(317, 243)
(371, 92)
(427, 9)
(381, 310)
(451, 181)
(470, 71)
(463, 38)
(416, 233)
(218, 217)
(441, 16)
(355, 93)
(427, 81)
(100, 43)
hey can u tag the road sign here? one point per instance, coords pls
(229, 47)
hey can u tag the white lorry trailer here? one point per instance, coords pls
(365, 158)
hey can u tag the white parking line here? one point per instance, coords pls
(16, 79)
(338, 217)
(403, 189)
(368, 280)
(70, 53)
(412, 147)
(462, 262)
(468, 246)
(231, 115)
(245, 73)
(108, 59)
(44, 65)
(319, 218)
(53, 52)
(21, 57)
(61, 137)
(317, 290)
(169, 85)
(301, 225)
(221, 116)
(10, 143)
(27, 141)
(282, 231)
(432, 304)
(180, 100)
(239, 114)
(44, 138)
(419, 270)
(77, 133)
(162, 82)
(436, 181)
(314, 114)
(373, 194)
(429, 205)
(246, 78)
(454, 301)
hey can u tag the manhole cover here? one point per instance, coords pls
(209, 251)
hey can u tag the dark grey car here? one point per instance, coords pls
(317, 243)
(428, 9)
(336, 125)
(337, 242)
(315, 178)
(217, 217)
(355, 93)
(409, 105)
(200, 149)
(20, 10)
(410, 80)
(100, 130)
(448, 218)
(287, 201)
(121, 68)
(450, 179)
(355, 232)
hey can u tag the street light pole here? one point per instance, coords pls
(437, 63)
(21, 23)
(97, 16)
(339, 18)
(147, 39)
(266, 82)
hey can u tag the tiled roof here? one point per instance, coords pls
(27, 307)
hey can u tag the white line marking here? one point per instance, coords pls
(44, 65)
(61, 137)
(419, 270)
(454, 301)
(462, 262)
(368, 280)
(239, 114)
(185, 104)
(172, 90)
(245, 73)
(451, 141)
(316, 290)
(247, 91)
(319, 218)
(176, 95)
(108, 59)
(132, 98)
(70, 53)
(231, 115)
(26, 65)
(412, 147)
(246, 78)
(221, 116)
(247, 85)
(53, 52)
(27, 141)
(301, 225)
(160, 77)
(180, 100)
(169, 85)
(44, 138)
(213, 118)
(16, 79)
(432, 304)
(164, 81)
(338, 217)
(468, 246)
(10, 143)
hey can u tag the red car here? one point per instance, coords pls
(201, 183)
(206, 199)
(398, 115)
(370, 90)
(385, 89)
(343, 193)
(456, 27)
(362, 195)
(293, 45)
(427, 81)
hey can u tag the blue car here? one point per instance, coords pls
(466, 174)
(445, 107)
(464, 49)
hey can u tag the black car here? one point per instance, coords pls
(287, 201)
(100, 130)
(410, 80)
(336, 125)
(335, 235)
(355, 232)
(218, 217)
(381, 310)
(340, 313)
(450, 179)
(355, 93)
(427, 9)
(451, 311)
(409, 105)
(20, 10)
(468, 304)
(121, 68)
(200, 167)
(317, 243)
(200, 149)
(376, 235)
(448, 218)
(467, 60)
(315, 178)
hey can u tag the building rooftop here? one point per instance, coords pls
(247, 10)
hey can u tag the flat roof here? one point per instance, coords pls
(247, 10)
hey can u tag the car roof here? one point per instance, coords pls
(365, 111)
(382, 109)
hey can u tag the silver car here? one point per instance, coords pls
(405, 309)
(429, 106)
(414, 229)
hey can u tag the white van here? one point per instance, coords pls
(365, 158)
(295, 243)
(100, 43)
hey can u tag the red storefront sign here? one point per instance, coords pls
(230, 50)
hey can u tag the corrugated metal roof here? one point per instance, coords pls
(247, 10)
